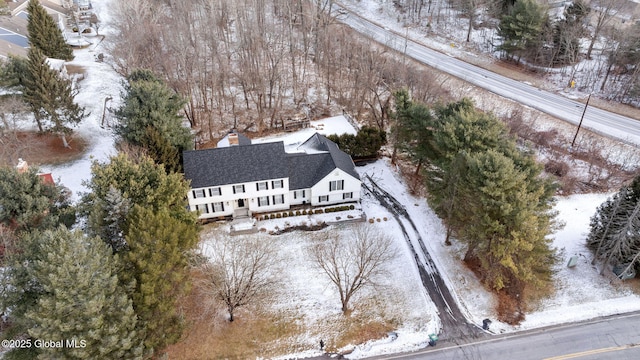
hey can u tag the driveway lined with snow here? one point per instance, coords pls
(455, 326)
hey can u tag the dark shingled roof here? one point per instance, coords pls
(255, 162)
(235, 164)
(341, 159)
(305, 170)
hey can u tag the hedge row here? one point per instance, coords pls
(291, 213)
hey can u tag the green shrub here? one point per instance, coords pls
(285, 214)
(297, 212)
(351, 207)
(290, 213)
(278, 216)
(272, 216)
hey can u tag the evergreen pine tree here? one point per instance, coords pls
(13, 71)
(27, 203)
(150, 118)
(82, 300)
(50, 97)
(506, 228)
(162, 152)
(156, 259)
(413, 129)
(44, 33)
(520, 29)
(141, 183)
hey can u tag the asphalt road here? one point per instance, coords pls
(610, 124)
(616, 337)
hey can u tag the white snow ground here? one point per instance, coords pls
(581, 292)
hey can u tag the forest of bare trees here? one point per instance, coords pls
(253, 64)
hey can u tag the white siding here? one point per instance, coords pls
(229, 199)
(296, 198)
(322, 188)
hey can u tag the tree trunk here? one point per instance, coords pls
(606, 75)
(64, 141)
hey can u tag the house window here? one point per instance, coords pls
(277, 184)
(264, 185)
(348, 195)
(203, 209)
(299, 194)
(215, 191)
(336, 185)
(278, 199)
(217, 207)
(263, 201)
(198, 193)
(238, 189)
(323, 198)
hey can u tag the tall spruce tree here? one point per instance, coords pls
(82, 300)
(138, 202)
(614, 234)
(50, 97)
(506, 228)
(44, 33)
(149, 117)
(158, 245)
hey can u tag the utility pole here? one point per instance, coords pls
(581, 118)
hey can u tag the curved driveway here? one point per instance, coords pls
(601, 121)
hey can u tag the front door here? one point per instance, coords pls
(240, 203)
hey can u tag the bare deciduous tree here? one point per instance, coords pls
(604, 11)
(12, 110)
(241, 270)
(354, 261)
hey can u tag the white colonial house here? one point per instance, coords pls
(239, 178)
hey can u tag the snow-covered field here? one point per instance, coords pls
(581, 292)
